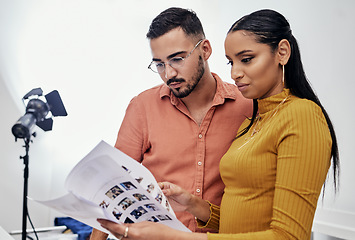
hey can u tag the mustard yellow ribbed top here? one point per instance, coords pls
(273, 179)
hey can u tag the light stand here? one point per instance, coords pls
(36, 112)
(25, 188)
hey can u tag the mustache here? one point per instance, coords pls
(179, 80)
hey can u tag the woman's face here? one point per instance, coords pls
(255, 69)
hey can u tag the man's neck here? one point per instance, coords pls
(200, 99)
(203, 93)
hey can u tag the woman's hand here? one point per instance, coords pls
(182, 200)
(179, 199)
(147, 230)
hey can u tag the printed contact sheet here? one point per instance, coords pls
(109, 184)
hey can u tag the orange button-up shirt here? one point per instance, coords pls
(159, 132)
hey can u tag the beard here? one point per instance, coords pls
(184, 92)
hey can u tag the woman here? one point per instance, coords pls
(276, 167)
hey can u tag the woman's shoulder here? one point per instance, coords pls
(303, 106)
(303, 112)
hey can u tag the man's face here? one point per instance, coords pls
(181, 80)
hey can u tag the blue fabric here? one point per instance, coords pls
(75, 226)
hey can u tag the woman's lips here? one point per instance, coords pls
(242, 86)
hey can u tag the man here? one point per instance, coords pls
(180, 130)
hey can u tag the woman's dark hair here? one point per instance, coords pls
(175, 17)
(270, 27)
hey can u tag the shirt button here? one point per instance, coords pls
(198, 190)
(200, 136)
(199, 163)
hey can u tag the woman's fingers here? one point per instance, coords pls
(138, 231)
(168, 188)
(118, 230)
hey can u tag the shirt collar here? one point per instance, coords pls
(223, 91)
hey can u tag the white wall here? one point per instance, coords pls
(94, 52)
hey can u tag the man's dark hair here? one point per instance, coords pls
(173, 18)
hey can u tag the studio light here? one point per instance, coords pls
(36, 112)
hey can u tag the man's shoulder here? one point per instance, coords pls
(154, 91)
(230, 96)
(150, 97)
(230, 86)
(226, 87)
(231, 91)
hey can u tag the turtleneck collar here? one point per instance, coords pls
(270, 103)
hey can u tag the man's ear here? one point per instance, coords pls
(206, 49)
(284, 51)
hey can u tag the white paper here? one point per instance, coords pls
(109, 184)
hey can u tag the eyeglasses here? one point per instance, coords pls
(176, 62)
